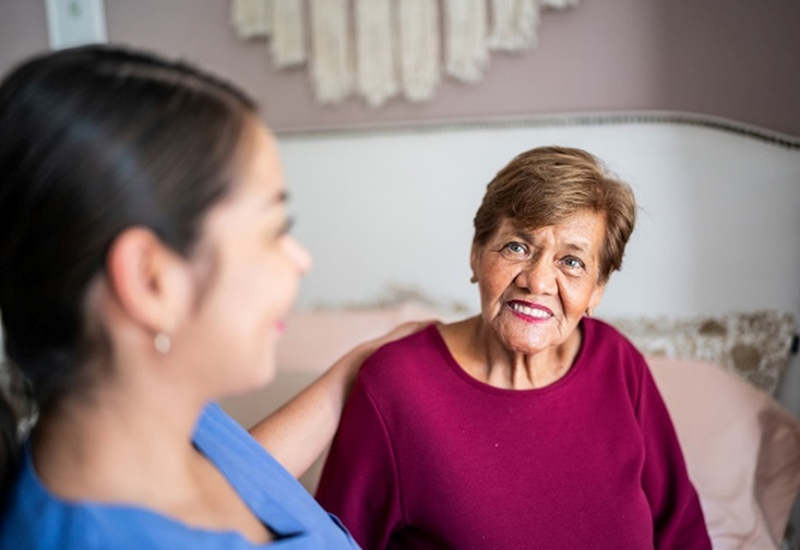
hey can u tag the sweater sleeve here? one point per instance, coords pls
(359, 482)
(678, 521)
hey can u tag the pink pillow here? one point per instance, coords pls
(742, 450)
(315, 339)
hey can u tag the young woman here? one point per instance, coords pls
(145, 270)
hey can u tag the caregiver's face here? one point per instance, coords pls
(536, 285)
(254, 267)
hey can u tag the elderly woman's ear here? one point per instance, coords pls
(597, 296)
(474, 257)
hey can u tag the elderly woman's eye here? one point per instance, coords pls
(515, 250)
(573, 263)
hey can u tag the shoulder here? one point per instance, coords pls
(607, 348)
(403, 366)
(33, 518)
(405, 352)
(601, 337)
(220, 436)
(215, 420)
(237, 454)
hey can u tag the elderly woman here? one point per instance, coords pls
(531, 425)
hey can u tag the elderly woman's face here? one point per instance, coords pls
(536, 285)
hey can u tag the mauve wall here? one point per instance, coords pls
(737, 59)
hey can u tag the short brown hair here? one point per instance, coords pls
(546, 185)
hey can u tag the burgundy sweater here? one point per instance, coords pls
(428, 457)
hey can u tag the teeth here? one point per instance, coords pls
(529, 311)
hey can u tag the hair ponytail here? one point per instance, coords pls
(9, 445)
(18, 413)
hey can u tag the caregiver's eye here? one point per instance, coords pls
(287, 225)
(276, 233)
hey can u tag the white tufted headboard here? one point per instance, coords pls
(718, 231)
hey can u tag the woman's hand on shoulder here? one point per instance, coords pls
(300, 431)
(400, 331)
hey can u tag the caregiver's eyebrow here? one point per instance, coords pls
(282, 197)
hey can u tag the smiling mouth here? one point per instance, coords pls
(529, 312)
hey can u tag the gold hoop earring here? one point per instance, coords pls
(162, 343)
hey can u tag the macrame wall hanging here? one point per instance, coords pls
(378, 49)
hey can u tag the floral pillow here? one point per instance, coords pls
(754, 345)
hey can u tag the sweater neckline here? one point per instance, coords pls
(583, 325)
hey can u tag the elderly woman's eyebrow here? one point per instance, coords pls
(580, 247)
(522, 235)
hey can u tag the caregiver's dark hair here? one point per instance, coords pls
(94, 140)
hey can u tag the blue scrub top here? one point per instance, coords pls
(36, 519)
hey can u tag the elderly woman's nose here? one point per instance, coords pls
(539, 277)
